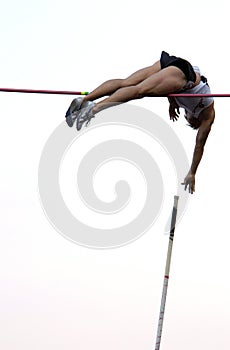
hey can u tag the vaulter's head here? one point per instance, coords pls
(193, 122)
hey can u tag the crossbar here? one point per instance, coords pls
(50, 92)
(60, 92)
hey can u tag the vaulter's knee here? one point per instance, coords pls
(117, 83)
(138, 92)
(141, 91)
(124, 83)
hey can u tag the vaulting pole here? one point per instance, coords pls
(166, 277)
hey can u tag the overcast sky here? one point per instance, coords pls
(56, 294)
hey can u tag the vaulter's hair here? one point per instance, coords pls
(194, 123)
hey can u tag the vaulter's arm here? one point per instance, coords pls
(201, 138)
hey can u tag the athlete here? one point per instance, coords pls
(169, 75)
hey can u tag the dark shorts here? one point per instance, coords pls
(166, 61)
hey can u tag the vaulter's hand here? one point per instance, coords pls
(174, 109)
(174, 112)
(189, 182)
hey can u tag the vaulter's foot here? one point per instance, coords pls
(73, 110)
(85, 115)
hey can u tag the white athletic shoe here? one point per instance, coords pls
(73, 110)
(85, 115)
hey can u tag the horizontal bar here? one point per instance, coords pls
(198, 95)
(51, 92)
(58, 92)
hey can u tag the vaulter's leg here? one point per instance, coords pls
(166, 81)
(107, 89)
(111, 86)
(163, 82)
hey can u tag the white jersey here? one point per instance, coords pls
(194, 105)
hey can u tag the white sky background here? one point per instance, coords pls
(58, 295)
